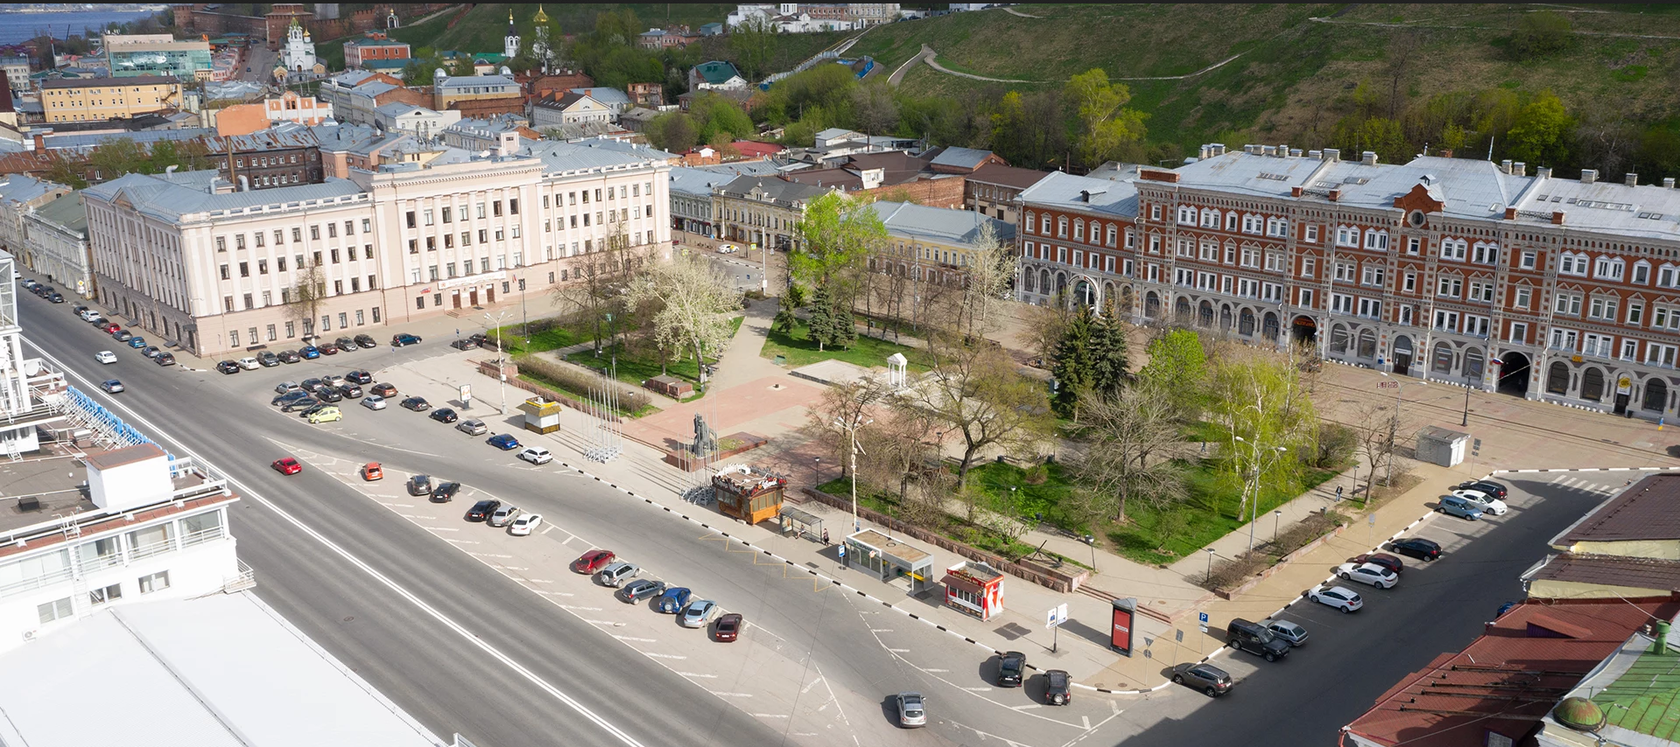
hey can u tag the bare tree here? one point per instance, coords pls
(1129, 436)
(306, 296)
(847, 402)
(975, 390)
(694, 299)
(1045, 327)
(985, 283)
(1373, 425)
(601, 278)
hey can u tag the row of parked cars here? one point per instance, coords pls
(318, 399)
(270, 358)
(1273, 639)
(46, 292)
(117, 333)
(691, 611)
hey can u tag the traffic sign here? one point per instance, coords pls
(1056, 616)
(1202, 617)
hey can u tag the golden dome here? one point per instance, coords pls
(541, 17)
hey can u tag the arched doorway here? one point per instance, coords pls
(1513, 374)
(1304, 330)
(1084, 293)
(1474, 365)
(1206, 314)
(1061, 285)
(1338, 339)
(1656, 395)
(1151, 305)
(1367, 344)
(1269, 326)
(1225, 318)
(1557, 378)
(1592, 384)
(1043, 280)
(1181, 310)
(1028, 280)
(1124, 308)
(1403, 355)
(1441, 361)
(1245, 323)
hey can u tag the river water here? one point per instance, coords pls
(18, 27)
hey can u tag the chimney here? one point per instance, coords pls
(1369, 158)
(1205, 153)
(1632, 180)
(40, 143)
(1335, 194)
(1543, 172)
(1588, 176)
(1446, 153)
(1294, 152)
(1219, 149)
(1557, 217)
(1505, 166)
(1251, 149)
(1510, 213)
(1315, 154)
(1295, 191)
(1283, 150)
(1668, 182)
(1267, 150)
(1332, 154)
(1519, 169)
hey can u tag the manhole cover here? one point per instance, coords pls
(348, 619)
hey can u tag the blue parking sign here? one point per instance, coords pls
(1202, 617)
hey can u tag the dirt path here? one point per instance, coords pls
(930, 57)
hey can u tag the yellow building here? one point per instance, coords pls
(447, 91)
(96, 99)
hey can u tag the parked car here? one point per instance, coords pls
(122, 335)
(289, 356)
(1207, 678)
(1486, 502)
(373, 402)
(249, 363)
(309, 352)
(593, 561)
(164, 359)
(359, 377)
(1463, 508)
(503, 515)
(1295, 634)
(287, 466)
(405, 339)
(267, 359)
(327, 348)
(617, 572)
(311, 384)
(482, 510)
(366, 341)
(1497, 490)
(444, 415)
(445, 492)
(1368, 573)
(503, 441)
(1416, 547)
(350, 391)
(636, 591)
(1340, 597)
(417, 404)
(420, 485)
(301, 403)
(1381, 558)
(698, 614)
(105, 356)
(1011, 668)
(463, 344)
(328, 414)
(729, 627)
(287, 386)
(228, 367)
(384, 389)
(1058, 687)
(524, 524)
(137, 342)
(472, 427)
(674, 599)
(150, 351)
(912, 710)
(111, 386)
(372, 471)
(536, 455)
(1244, 635)
(290, 396)
(346, 344)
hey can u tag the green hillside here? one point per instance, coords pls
(1299, 67)
(482, 28)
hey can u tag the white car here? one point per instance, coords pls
(1340, 597)
(698, 614)
(727, 248)
(1368, 573)
(248, 363)
(1488, 503)
(105, 356)
(536, 455)
(524, 523)
(373, 402)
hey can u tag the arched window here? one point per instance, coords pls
(1061, 226)
(1079, 230)
(1031, 222)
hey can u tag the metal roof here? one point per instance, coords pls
(469, 81)
(79, 142)
(23, 188)
(1069, 192)
(965, 158)
(221, 670)
(66, 212)
(1612, 570)
(716, 71)
(559, 157)
(946, 225)
(174, 196)
(605, 95)
(780, 190)
(1007, 176)
(695, 182)
(1647, 510)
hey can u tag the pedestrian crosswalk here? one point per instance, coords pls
(1585, 485)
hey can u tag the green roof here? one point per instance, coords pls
(67, 212)
(716, 71)
(1646, 698)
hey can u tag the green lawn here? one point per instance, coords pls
(1210, 513)
(542, 340)
(639, 367)
(954, 527)
(866, 351)
(564, 391)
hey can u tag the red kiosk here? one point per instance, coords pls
(974, 588)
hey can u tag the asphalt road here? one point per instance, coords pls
(464, 648)
(1351, 660)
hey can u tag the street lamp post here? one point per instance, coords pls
(501, 376)
(857, 525)
(1469, 380)
(524, 312)
(1210, 563)
(1254, 500)
(816, 469)
(1277, 521)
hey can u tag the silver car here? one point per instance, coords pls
(1295, 634)
(472, 427)
(912, 710)
(616, 574)
(503, 516)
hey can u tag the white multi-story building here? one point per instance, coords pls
(19, 194)
(414, 231)
(56, 237)
(299, 55)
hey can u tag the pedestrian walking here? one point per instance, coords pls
(825, 537)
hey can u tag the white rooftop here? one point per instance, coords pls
(221, 670)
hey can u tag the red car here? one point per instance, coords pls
(729, 627)
(287, 466)
(593, 561)
(1383, 559)
(112, 328)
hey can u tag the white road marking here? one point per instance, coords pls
(770, 715)
(899, 650)
(638, 640)
(880, 630)
(978, 689)
(1028, 706)
(732, 695)
(668, 656)
(549, 529)
(461, 542)
(442, 529)
(554, 593)
(940, 671)
(540, 581)
(575, 608)
(809, 685)
(510, 568)
(696, 674)
(490, 555)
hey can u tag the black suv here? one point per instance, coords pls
(420, 485)
(1486, 486)
(267, 359)
(346, 344)
(405, 339)
(367, 341)
(1011, 667)
(1256, 639)
(359, 377)
(1058, 687)
(228, 367)
(444, 415)
(481, 510)
(1416, 547)
(326, 392)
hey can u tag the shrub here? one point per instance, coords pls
(579, 382)
(1336, 445)
(1036, 475)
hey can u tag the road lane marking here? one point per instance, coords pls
(978, 689)
(770, 715)
(697, 674)
(939, 671)
(732, 695)
(554, 593)
(632, 638)
(461, 542)
(549, 529)
(668, 656)
(575, 608)
(899, 650)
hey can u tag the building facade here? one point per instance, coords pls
(937, 245)
(1460, 271)
(762, 210)
(447, 91)
(16, 70)
(567, 108)
(268, 159)
(417, 232)
(152, 55)
(98, 99)
(299, 54)
(374, 48)
(55, 235)
(19, 194)
(992, 190)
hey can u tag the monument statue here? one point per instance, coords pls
(705, 439)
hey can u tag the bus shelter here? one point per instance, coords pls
(889, 559)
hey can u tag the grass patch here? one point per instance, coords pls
(1205, 431)
(952, 527)
(635, 367)
(546, 335)
(800, 350)
(1153, 536)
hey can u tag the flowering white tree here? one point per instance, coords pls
(694, 300)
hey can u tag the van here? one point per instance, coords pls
(1256, 639)
(1464, 508)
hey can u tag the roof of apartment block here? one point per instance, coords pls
(1647, 510)
(1083, 193)
(946, 225)
(171, 197)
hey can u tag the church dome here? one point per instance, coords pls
(1579, 714)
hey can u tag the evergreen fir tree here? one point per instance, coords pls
(822, 324)
(845, 329)
(1108, 355)
(1073, 364)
